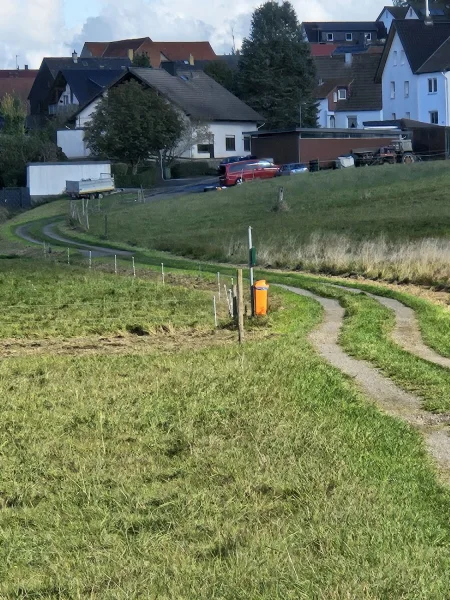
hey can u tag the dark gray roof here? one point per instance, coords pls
(364, 93)
(198, 95)
(58, 64)
(87, 83)
(398, 12)
(345, 26)
(420, 43)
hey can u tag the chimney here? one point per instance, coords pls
(191, 60)
(130, 53)
(26, 67)
(348, 59)
(74, 57)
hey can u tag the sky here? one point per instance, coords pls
(32, 29)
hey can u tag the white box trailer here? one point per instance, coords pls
(90, 188)
(49, 179)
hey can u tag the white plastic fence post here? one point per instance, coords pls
(218, 283)
(68, 256)
(115, 264)
(162, 273)
(134, 267)
(90, 259)
(215, 311)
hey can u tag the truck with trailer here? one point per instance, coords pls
(90, 188)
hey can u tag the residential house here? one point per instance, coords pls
(16, 82)
(158, 52)
(42, 91)
(198, 97)
(414, 11)
(414, 71)
(353, 33)
(347, 92)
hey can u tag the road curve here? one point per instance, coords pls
(385, 393)
(406, 331)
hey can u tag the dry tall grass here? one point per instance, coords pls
(422, 261)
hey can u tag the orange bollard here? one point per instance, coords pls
(261, 293)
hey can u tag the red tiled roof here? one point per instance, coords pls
(18, 82)
(182, 50)
(322, 49)
(121, 47)
(96, 48)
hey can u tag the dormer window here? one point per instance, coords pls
(349, 37)
(342, 94)
(330, 37)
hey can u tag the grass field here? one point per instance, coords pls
(391, 222)
(203, 472)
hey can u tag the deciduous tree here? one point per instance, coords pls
(132, 123)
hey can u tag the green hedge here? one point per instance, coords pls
(195, 168)
(123, 177)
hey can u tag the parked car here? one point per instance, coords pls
(233, 159)
(293, 169)
(238, 172)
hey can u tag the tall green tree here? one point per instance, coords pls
(142, 60)
(14, 113)
(131, 124)
(276, 73)
(222, 73)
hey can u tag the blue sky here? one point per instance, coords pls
(77, 11)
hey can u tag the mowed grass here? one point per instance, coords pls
(42, 300)
(231, 473)
(400, 202)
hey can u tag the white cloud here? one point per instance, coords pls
(35, 28)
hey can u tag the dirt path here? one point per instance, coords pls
(406, 332)
(382, 390)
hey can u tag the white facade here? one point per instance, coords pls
(344, 119)
(409, 96)
(226, 134)
(386, 18)
(49, 179)
(71, 142)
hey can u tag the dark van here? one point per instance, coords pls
(247, 170)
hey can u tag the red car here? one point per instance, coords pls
(247, 170)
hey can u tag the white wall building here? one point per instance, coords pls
(347, 94)
(199, 98)
(413, 72)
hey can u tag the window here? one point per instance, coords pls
(395, 58)
(342, 94)
(230, 143)
(203, 148)
(392, 90)
(349, 37)
(402, 57)
(408, 115)
(352, 122)
(330, 37)
(335, 98)
(406, 89)
(394, 116)
(247, 144)
(368, 37)
(432, 85)
(434, 117)
(332, 122)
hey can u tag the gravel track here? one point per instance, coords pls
(385, 393)
(406, 332)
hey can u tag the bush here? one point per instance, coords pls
(124, 178)
(195, 168)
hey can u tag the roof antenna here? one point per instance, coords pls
(17, 61)
(428, 20)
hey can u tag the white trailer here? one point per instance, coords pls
(90, 188)
(49, 179)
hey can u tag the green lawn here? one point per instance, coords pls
(226, 472)
(400, 202)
